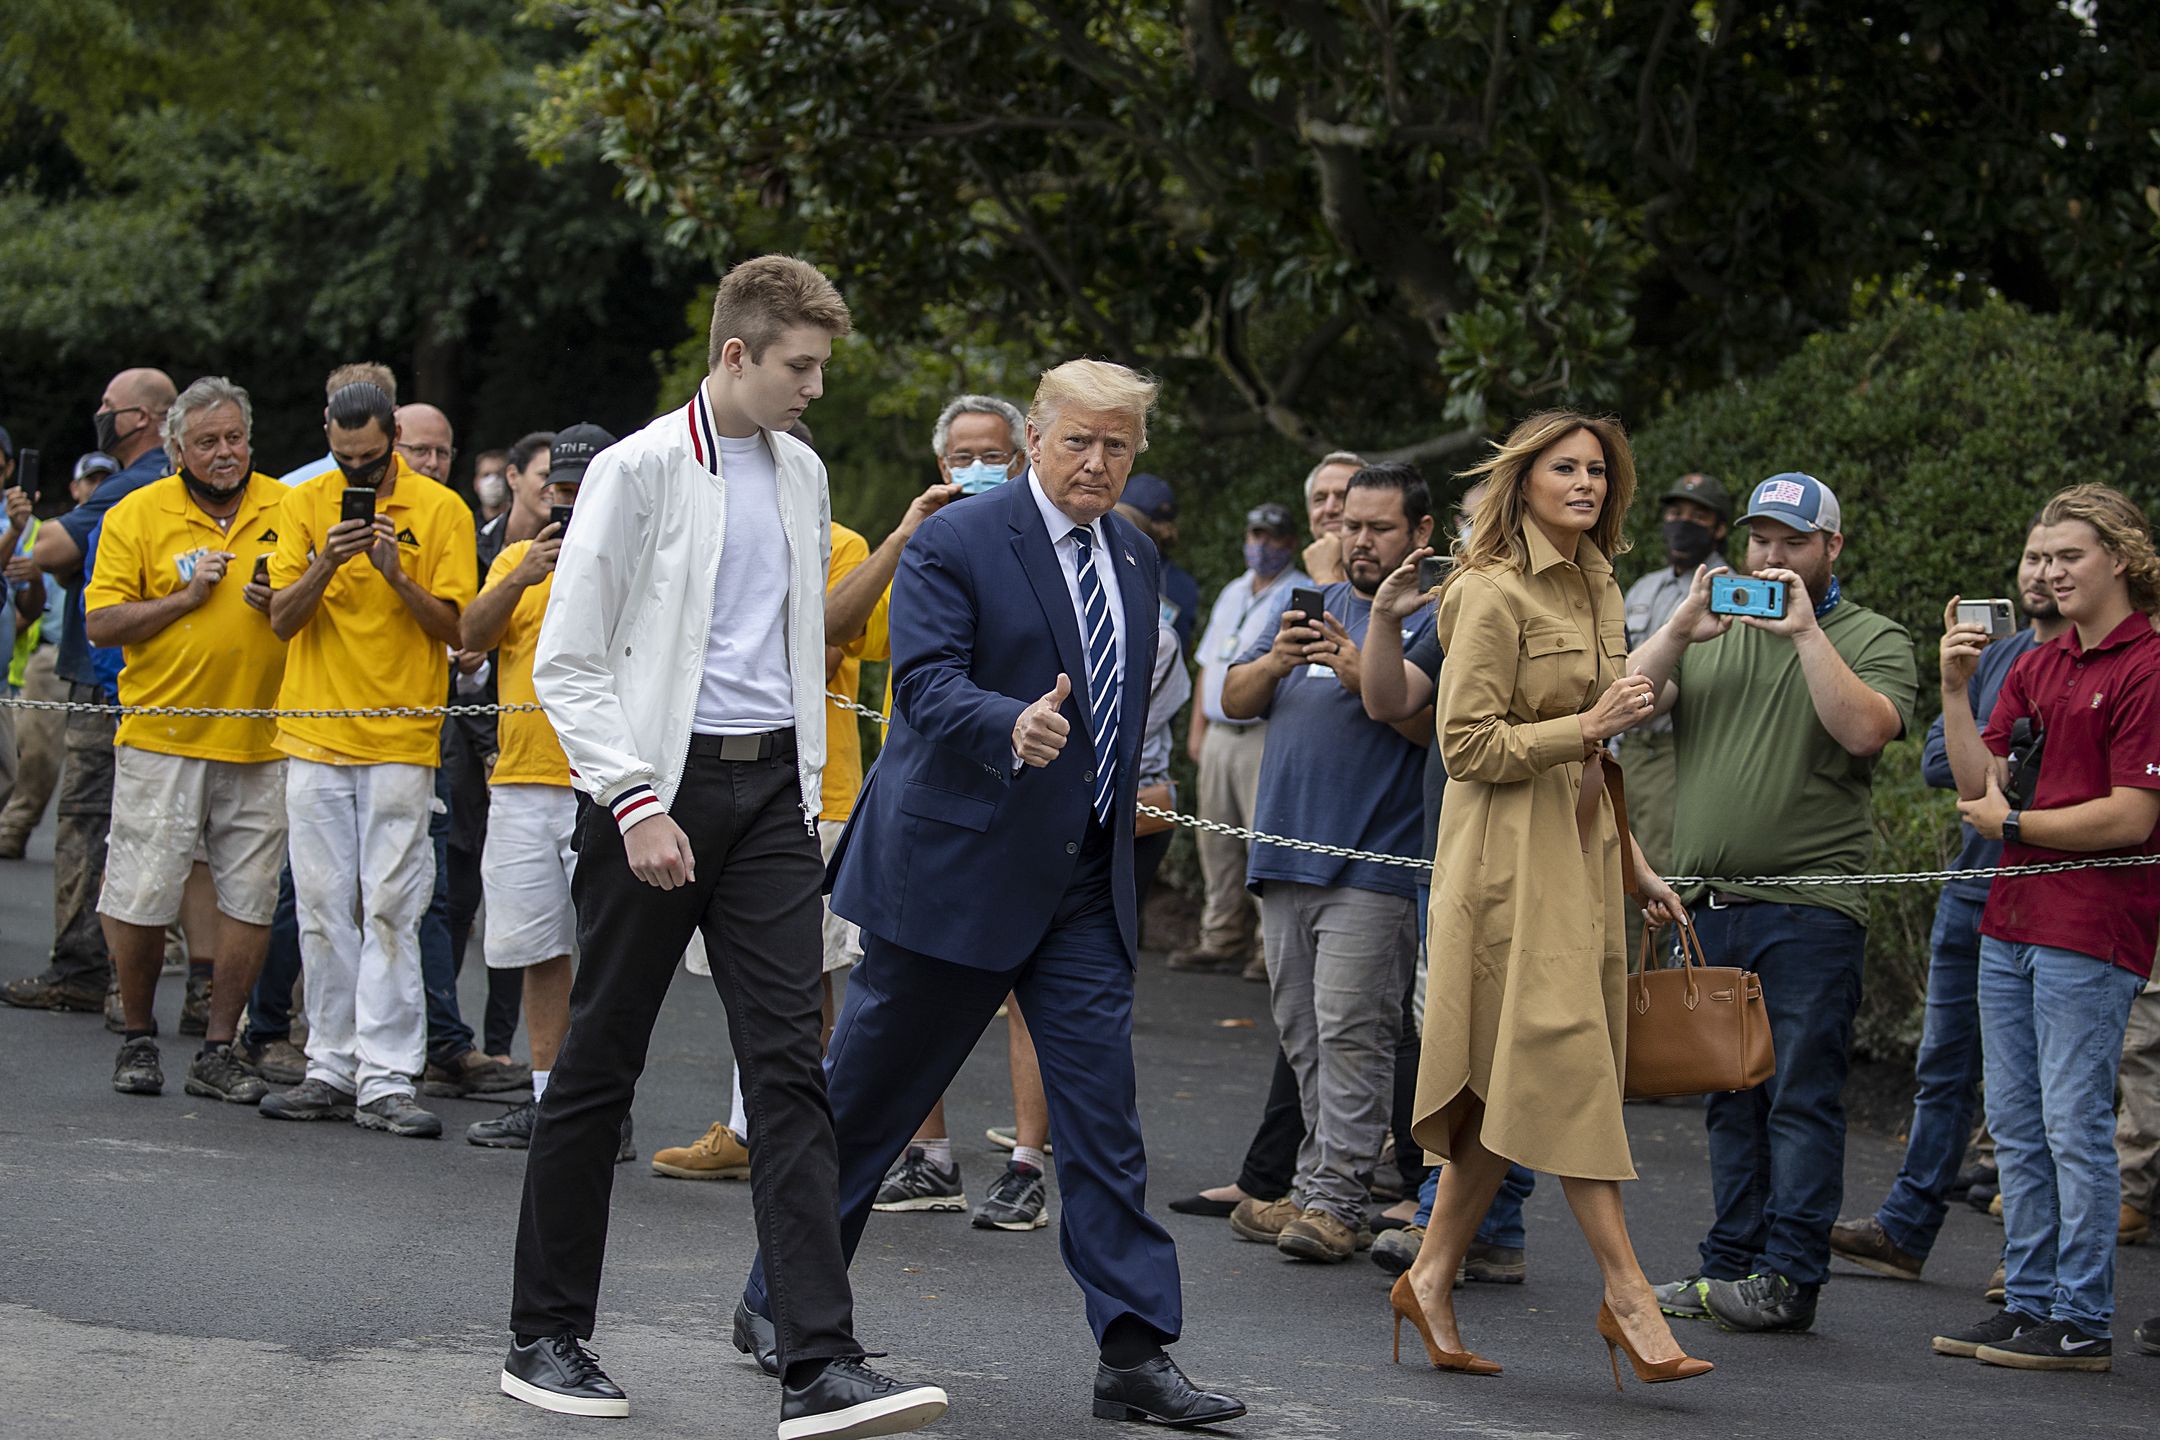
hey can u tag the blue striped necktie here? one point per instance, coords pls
(1104, 684)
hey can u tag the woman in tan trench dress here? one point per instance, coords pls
(1525, 1028)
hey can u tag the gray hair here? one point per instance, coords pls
(977, 405)
(205, 394)
(1333, 457)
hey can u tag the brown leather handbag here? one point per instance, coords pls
(1162, 797)
(1695, 1028)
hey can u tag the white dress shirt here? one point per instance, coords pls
(1108, 558)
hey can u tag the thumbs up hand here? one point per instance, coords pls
(1039, 734)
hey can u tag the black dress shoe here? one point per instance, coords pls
(755, 1337)
(850, 1399)
(1201, 1205)
(1158, 1391)
(557, 1373)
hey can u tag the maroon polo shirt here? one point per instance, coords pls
(2100, 709)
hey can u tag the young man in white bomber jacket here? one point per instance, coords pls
(682, 664)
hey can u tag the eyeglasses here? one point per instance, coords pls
(961, 459)
(444, 453)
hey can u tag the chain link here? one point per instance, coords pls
(1191, 822)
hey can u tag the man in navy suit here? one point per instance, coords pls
(991, 851)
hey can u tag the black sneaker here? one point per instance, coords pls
(401, 1115)
(1970, 1176)
(2147, 1336)
(1760, 1303)
(511, 1130)
(1981, 1194)
(559, 1374)
(309, 1100)
(2054, 1345)
(2002, 1325)
(755, 1337)
(219, 1073)
(136, 1070)
(917, 1183)
(626, 1148)
(1015, 1202)
(850, 1399)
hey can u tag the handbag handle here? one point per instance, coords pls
(1692, 959)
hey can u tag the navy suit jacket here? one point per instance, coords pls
(949, 852)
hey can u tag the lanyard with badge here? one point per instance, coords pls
(1234, 645)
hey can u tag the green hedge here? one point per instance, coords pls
(1941, 432)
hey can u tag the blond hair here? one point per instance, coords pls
(760, 298)
(1094, 385)
(2121, 526)
(1496, 529)
(363, 372)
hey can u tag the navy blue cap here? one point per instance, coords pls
(1150, 495)
(1798, 500)
(573, 450)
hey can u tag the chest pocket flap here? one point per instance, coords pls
(1543, 635)
(1612, 639)
(929, 802)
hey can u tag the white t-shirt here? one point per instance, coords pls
(746, 687)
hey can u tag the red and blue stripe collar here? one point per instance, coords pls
(704, 439)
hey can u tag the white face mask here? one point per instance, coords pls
(491, 489)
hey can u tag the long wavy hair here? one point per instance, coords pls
(1496, 530)
(2122, 531)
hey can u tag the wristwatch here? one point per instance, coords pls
(2010, 827)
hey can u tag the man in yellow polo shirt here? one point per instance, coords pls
(527, 860)
(171, 584)
(371, 608)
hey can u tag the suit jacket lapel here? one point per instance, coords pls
(1031, 542)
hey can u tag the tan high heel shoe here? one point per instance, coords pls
(1686, 1367)
(1405, 1303)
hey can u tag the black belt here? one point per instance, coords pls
(742, 748)
(1726, 900)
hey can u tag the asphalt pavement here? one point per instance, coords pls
(181, 1268)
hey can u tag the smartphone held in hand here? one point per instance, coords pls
(1432, 572)
(26, 472)
(1997, 617)
(559, 517)
(358, 504)
(1747, 595)
(1306, 599)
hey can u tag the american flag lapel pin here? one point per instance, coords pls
(1129, 560)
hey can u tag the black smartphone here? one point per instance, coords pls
(1307, 599)
(1432, 572)
(262, 570)
(359, 504)
(559, 515)
(26, 473)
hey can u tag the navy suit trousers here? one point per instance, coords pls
(909, 1022)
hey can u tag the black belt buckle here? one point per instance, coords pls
(744, 749)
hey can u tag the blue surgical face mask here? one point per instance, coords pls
(976, 478)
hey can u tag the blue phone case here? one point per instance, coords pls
(1744, 595)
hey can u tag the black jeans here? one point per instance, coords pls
(755, 898)
(1271, 1159)
(84, 815)
(269, 1009)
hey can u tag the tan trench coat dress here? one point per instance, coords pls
(1527, 956)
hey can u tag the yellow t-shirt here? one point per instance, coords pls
(363, 648)
(843, 740)
(222, 656)
(527, 751)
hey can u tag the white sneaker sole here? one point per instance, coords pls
(923, 1204)
(1020, 1226)
(893, 1415)
(533, 1395)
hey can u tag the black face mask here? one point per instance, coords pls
(370, 474)
(203, 490)
(1688, 540)
(107, 425)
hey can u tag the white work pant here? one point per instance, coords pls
(363, 873)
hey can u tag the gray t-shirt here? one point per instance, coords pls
(1426, 656)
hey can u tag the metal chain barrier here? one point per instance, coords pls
(1191, 822)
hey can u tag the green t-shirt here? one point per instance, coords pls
(1763, 788)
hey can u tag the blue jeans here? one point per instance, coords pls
(1503, 1222)
(1948, 1076)
(448, 1036)
(270, 1002)
(1777, 1152)
(2052, 1022)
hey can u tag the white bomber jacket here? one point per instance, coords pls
(622, 648)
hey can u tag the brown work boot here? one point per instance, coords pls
(1868, 1245)
(716, 1155)
(1262, 1221)
(195, 1006)
(1317, 1235)
(475, 1073)
(2134, 1226)
(49, 992)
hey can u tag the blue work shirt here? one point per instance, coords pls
(74, 662)
(1180, 601)
(1981, 690)
(1332, 773)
